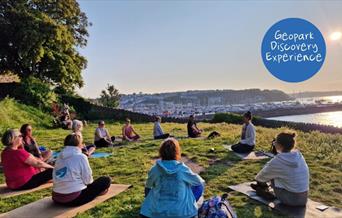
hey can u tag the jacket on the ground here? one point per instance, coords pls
(170, 196)
(288, 170)
(72, 172)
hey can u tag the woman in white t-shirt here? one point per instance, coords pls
(247, 141)
(102, 137)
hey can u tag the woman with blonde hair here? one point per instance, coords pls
(77, 127)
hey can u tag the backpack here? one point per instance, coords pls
(216, 207)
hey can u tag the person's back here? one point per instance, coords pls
(171, 195)
(73, 183)
(169, 183)
(287, 172)
(72, 171)
(290, 171)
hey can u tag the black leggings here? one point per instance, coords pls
(37, 180)
(242, 148)
(102, 143)
(164, 136)
(91, 192)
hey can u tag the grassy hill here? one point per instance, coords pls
(14, 114)
(130, 163)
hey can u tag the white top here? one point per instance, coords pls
(101, 133)
(72, 172)
(250, 135)
(288, 170)
(157, 129)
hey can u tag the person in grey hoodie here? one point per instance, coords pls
(287, 171)
(73, 183)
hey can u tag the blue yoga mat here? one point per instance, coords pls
(94, 155)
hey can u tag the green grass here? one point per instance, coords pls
(14, 114)
(129, 165)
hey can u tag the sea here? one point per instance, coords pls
(327, 118)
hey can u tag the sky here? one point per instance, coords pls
(166, 46)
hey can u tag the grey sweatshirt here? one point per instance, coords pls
(288, 170)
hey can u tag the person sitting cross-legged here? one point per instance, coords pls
(247, 142)
(128, 132)
(73, 183)
(158, 132)
(21, 169)
(77, 127)
(170, 191)
(31, 145)
(193, 130)
(287, 172)
(102, 137)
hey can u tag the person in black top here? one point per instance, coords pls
(193, 130)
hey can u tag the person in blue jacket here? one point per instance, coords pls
(170, 186)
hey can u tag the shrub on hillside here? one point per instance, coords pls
(227, 118)
(35, 92)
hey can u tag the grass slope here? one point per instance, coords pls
(129, 165)
(14, 114)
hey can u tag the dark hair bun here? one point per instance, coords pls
(287, 140)
(248, 115)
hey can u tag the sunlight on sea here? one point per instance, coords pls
(326, 118)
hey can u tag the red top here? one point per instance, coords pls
(16, 171)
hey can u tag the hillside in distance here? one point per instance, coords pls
(206, 97)
(315, 94)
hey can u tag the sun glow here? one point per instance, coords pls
(336, 36)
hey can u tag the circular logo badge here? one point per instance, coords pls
(293, 50)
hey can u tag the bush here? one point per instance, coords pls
(35, 92)
(227, 118)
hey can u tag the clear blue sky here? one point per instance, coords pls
(164, 46)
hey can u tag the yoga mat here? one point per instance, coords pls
(94, 155)
(6, 192)
(254, 155)
(45, 208)
(312, 210)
